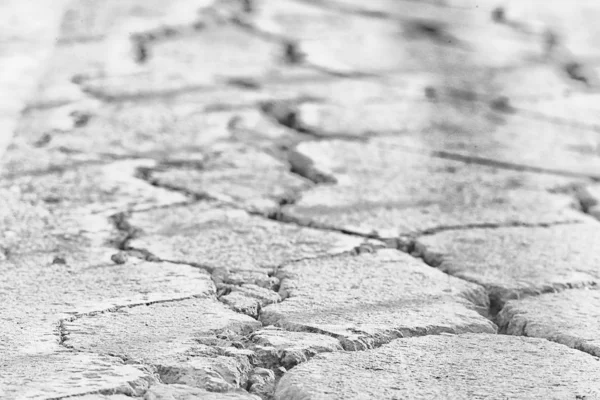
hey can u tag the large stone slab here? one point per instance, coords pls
(370, 299)
(569, 317)
(40, 291)
(67, 210)
(193, 342)
(237, 247)
(387, 191)
(448, 366)
(516, 262)
(240, 175)
(65, 374)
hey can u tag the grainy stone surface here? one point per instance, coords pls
(386, 191)
(62, 373)
(184, 392)
(181, 339)
(516, 262)
(238, 174)
(453, 366)
(139, 247)
(569, 317)
(371, 299)
(238, 247)
(276, 347)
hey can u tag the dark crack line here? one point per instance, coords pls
(472, 159)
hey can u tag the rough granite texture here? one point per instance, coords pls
(199, 195)
(517, 262)
(382, 189)
(569, 317)
(448, 366)
(389, 293)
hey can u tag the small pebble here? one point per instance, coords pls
(59, 260)
(502, 104)
(498, 15)
(430, 93)
(293, 55)
(140, 51)
(119, 258)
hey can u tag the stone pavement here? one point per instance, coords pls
(306, 199)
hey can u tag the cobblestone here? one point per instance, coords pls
(301, 199)
(568, 318)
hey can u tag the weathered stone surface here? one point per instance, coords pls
(184, 392)
(569, 317)
(27, 31)
(374, 298)
(101, 397)
(89, 282)
(238, 174)
(237, 247)
(189, 342)
(64, 374)
(245, 298)
(447, 366)
(279, 348)
(103, 189)
(516, 262)
(64, 211)
(385, 190)
(262, 382)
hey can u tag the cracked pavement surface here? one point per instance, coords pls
(300, 199)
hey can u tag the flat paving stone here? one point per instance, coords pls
(516, 262)
(448, 366)
(569, 318)
(96, 189)
(66, 374)
(471, 128)
(54, 138)
(237, 247)
(241, 175)
(181, 339)
(89, 282)
(370, 299)
(387, 191)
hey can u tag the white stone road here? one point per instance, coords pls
(300, 199)
(28, 31)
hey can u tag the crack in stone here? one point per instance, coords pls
(471, 159)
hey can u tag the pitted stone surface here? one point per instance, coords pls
(238, 247)
(97, 190)
(64, 374)
(447, 366)
(240, 175)
(516, 262)
(89, 282)
(279, 348)
(370, 299)
(185, 392)
(569, 317)
(180, 338)
(382, 189)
